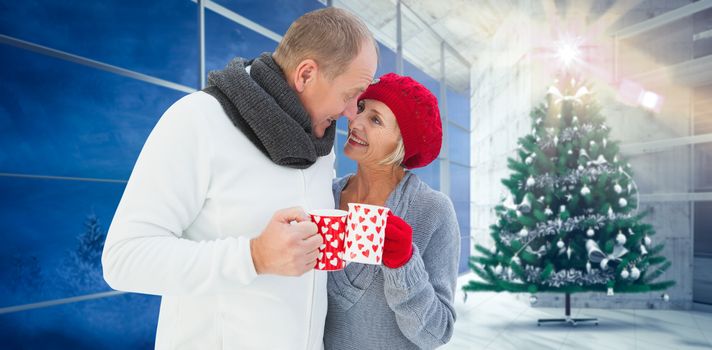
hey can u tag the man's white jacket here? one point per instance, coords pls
(200, 190)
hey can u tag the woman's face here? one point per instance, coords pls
(373, 134)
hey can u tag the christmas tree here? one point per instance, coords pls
(571, 222)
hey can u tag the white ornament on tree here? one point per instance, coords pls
(643, 251)
(622, 202)
(562, 209)
(605, 142)
(548, 211)
(590, 232)
(516, 260)
(625, 274)
(570, 152)
(560, 243)
(585, 190)
(634, 273)
(531, 182)
(592, 143)
(556, 140)
(604, 264)
(620, 238)
(588, 267)
(529, 160)
(575, 119)
(526, 205)
(617, 188)
(647, 240)
(523, 232)
(568, 252)
(580, 167)
(498, 269)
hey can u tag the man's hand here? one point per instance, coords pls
(288, 246)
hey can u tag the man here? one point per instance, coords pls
(200, 221)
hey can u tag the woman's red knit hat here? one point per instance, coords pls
(417, 113)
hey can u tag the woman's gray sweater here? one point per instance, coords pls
(411, 307)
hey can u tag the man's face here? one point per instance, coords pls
(326, 101)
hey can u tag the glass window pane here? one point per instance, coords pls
(430, 174)
(703, 167)
(386, 60)
(53, 236)
(158, 38)
(276, 15)
(702, 277)
(460, 195)
(458, 107)
(662, 46)
(702, 27)
(662, 172)
(342, 124)
(225, 40)
(458, 144)
(464, 254)
(345, 165)
(82, 122)
(702, 109)
(119, 322)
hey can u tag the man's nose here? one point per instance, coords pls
(350, 112)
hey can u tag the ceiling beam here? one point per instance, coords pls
(663, 19)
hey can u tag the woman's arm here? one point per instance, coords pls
(421, 291)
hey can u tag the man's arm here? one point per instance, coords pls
(145, 252)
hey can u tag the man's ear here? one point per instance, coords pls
(305, 73)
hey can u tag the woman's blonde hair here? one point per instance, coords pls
(396, 157)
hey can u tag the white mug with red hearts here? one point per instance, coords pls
(365, 233)
(331, 225)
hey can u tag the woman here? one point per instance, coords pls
(408, 301)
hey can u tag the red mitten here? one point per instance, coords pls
(398, 244)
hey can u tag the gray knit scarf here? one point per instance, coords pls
(263, 107)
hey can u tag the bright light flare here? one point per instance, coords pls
(568, 52)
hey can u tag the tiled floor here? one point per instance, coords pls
(499, 321)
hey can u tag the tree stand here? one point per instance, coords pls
(568, 319)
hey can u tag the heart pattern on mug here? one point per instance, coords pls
(332, 230)
(364, 233)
